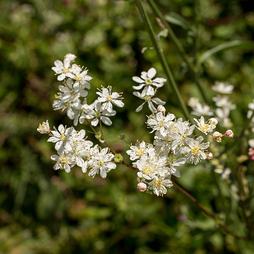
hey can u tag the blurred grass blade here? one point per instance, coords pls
(224, 46)
(176, 19)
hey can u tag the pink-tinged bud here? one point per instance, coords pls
(141, 187)
(229, 133)
(161, 109)
(213, 121)
(209, 156)
(44, 128)
(251, 152)
(217, 136)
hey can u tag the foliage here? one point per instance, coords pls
(47, 211)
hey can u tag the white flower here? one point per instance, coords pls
(62, 137)
(224, 174)
(137, 151)
(62, 68)
(222, 88)
(251, 105)
(202, 110)
(101, 162)
(223, 102)
(44, 128)
(205, 127)
(196, 150)
(160, 122)
(159, 184)
(63, 161)
(108, 98)
(148, 98)
(174, 164)
(251, 143)
(146, 82)
(180, 133)
(101, 113)
(193, 102)
(80, 76)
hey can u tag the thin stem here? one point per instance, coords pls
(192, 68)
(207, 212)
(246, 125)
(162, 58)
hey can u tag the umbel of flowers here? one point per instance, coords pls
(175, 141)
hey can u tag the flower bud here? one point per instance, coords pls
(209, 156)
(217, 136)
(213, 121)
(229, 133)
(44, 128)
(118, 158)
(161, 109)
(141, 187)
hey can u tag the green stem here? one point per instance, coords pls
(162, 58)
(246, 125)
(207, 212)
(192, 68)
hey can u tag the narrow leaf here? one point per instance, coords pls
(221, 47)
(178, 20)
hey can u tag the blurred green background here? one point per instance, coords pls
(47, 211)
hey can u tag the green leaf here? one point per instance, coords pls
(176, 19)
(223, 46)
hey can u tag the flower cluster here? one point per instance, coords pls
(174, 141)
(224, 106)
(73, 149)
(146, 83)
(75, 82)
(71, 146)
(174, 145)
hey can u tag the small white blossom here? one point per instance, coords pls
(101, 161)
(203, 126)
(108, 98)
(44, 128)
(222, 88)
(196, 150)
(146, 82)
(148, 98)
(62, 137)
(62, 68)
(159, 184)
(100, 113)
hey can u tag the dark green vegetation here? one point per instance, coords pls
(45, 211)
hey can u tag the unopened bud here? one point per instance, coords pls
(213, 121)
(118, 158)
(229, 133)
(141, 187)
(161, 109)
(209, 156)
(217, 136)
(44, 128)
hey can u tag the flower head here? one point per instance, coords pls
(147, 82)
(44, 128)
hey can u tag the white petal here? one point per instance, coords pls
(138, 80)
(151, 73)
